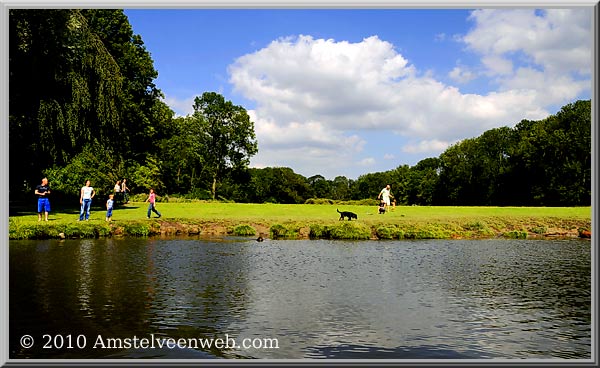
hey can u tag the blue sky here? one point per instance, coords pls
(349, 92)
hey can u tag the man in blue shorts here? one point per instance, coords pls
(42, 191)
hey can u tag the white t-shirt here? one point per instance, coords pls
(117, 188)
(87, 192)
(385, 195)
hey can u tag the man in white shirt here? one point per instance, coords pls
(85, 199)
(385, 195)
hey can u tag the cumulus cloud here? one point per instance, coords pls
(553, 47)
(311, 93)
(184, 106)
(427, 146)
(461, 75)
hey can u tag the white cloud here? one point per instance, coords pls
(553, 47)
(184, 106)
(369, 161)
(311, 93)
(433, 146)
(461, 75)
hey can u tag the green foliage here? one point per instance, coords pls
(539, 230)
(319, 231)
(515, 234)
(476, 225)
(319, 201)
(349, 230)
(244, 230)
(137, 228)
(343, 230)
(226, 136)
(83, 105)
(288, 231)
(92, 164)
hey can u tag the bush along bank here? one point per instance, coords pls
(296, 230)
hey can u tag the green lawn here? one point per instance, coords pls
(270, 213)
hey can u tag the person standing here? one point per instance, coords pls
(385, 196)
(152, 206)
(85, 199)
(109, 207)
(117, 190)
(42, 190)
(124, 190)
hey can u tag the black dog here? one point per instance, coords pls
(350, 215)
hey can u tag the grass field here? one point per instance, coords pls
(305, 219)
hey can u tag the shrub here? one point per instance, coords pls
(282, 231)
(349, 230)
(515, 234)
(385, 232)
(244, 230)
(136, 229)
(539, 230)
(318, 231)
(475, 226)
(319, 201)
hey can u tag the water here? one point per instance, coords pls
(319, 299)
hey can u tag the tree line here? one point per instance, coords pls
(83, 105)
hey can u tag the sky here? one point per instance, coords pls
(346, 92)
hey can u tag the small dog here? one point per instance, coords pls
(350, 215)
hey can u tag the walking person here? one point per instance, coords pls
(152, 206)
(42, 190)
(85, 199)
(109, 207)
(384, 195)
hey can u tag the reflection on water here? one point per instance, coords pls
(319, 299)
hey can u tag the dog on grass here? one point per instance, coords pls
(350, 215)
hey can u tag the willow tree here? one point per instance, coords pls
(65, 91)
(227, 136)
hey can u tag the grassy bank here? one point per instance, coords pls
(308, 221)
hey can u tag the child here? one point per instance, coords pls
(382, 207)
(152, 206)
(109, 207)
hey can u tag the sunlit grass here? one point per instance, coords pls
(289, 221)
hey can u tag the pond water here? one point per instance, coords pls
(430, 299)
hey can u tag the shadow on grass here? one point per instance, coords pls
(21, 210)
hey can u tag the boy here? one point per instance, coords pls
(109, 207)
(382, 207)
(42, 191)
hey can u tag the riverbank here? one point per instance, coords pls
(310, 221)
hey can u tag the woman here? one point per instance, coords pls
(118, 191)
(85, 199)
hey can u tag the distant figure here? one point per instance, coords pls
(85, 199)
(118, 197)
(125, 191)
(42, 190)
(381, 207)
(385, 196)
(152, 206)
(109, 207)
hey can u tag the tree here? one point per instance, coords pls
(79, 78)
(65, 91)
(228, 138)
